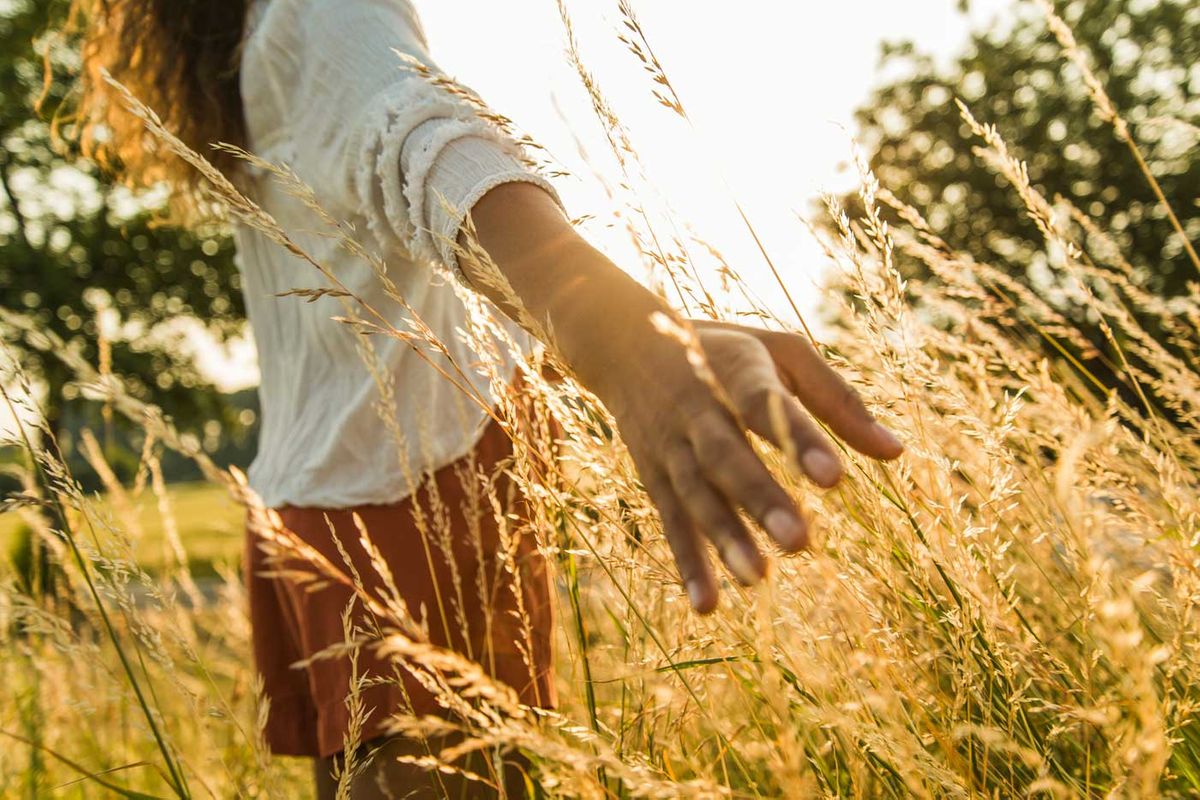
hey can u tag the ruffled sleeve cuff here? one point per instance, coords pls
(448, 165)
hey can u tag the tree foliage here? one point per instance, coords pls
(91, 260)
(1014, 75)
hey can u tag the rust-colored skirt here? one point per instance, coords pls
(307, 713)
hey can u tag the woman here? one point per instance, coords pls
(317, 84)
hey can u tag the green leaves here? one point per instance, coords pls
(76, 247)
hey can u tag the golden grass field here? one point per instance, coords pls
(1010, 610)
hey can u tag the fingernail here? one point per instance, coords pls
(888, 439)
(743, 564)
(785, 528)
(821, 467)
(695, 595)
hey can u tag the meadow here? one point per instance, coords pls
(1007, 611)
(208, 521)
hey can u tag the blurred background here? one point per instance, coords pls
(775, 93)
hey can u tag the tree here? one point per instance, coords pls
(1014, 75)
(91, 260)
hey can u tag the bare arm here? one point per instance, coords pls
(691, 452)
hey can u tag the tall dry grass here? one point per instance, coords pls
(1007, 611)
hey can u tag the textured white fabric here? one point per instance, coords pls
(400, 161)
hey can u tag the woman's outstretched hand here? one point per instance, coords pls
(690, 447)
(694, 457)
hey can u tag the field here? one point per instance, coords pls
(1008, 610)
(211, 527)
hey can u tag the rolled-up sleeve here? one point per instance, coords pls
(372, 133)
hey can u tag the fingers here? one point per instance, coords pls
(696, 498)
(712, 514)
(687, 547)
(729, 464)
(827, 395)
(752, 380)
(700, 469)
(778, 417)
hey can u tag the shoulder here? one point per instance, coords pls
(299, 44)
(283, 19)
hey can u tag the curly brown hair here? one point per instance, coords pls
(182, 59)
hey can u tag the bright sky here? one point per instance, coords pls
(771, 85)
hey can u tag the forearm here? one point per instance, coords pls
(597, 314)
(687, 440)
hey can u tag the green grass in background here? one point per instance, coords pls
(210, 526)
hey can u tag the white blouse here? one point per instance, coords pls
(389, 154)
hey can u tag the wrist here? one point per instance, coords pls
(598, 316)
(604, 330)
